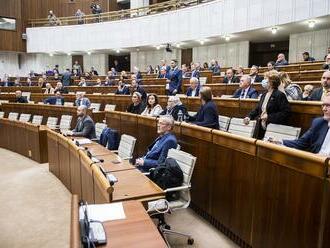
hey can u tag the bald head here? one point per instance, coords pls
(325, 80)
(18, 93)
(81, 110)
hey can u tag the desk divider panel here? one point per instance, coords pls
(326, 209)
(75, 171)
(53, 159)
(228, 107)
(112, 119)
(146, 133)
(87, 182)
(64, 161)
(288, 197)
(102, 189)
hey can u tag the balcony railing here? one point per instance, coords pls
(117, 15)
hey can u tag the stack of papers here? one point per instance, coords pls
(83, 141)
(104, 212)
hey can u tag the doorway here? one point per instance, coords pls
(124, 62)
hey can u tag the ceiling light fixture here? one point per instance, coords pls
(274, 30)
(227, 38)
(89, 53)
(202, 42)
(158, 47)
(117, 51)
(51, 55)
(311, 23)
(69, 54)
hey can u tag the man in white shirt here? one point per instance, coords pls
(245, 89)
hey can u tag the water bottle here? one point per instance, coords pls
(180, 116)
(58, 101)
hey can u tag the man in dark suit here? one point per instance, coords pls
(319, 93)
(20, 98)
(58, 99)
(317, 137)
(193, 90)
(162, 73)
(174, 78)
(85, 125)
(281, 60)
(255, 78)
(66, 78)
(245, 90)
(194, 70)
(230, 78)
(59, 87)
(6, 83)
(326, 66)
(157, 151)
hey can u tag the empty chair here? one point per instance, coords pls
(95, 107)
(126, 146)
(52, 122)
(25, 117)
(65, 122)
(237, 126)
(187, 163)
(110, 107)
(280, 132)
(69, 104)
(99, 128)
(37, 119)
(27, 95)
(224, 122)
(2, 114)
(13, 116)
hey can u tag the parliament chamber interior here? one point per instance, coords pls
(165, 123)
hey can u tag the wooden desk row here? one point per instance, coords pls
(259, 194)
(83, 177)
(24, 138)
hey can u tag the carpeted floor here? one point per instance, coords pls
(35, 210)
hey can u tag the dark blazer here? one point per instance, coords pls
(157, 151)
(283, 62)
(252, 93)
(195, 73)
(313, 139)
(258, 79)
(207, 116)
(85, 128)
(52, 100)
(8, 84)
(138, 75)
(66, 78)
(138, 109)
(189, 92)
(316, 94)
(278, 108)
(141, 91)
(233, 80)
(174, 111)
(122, 91)
(326, 66)
(21, 99)
(175, 76)
(62, 90)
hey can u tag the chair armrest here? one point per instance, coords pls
(115, 151)
(96, 139)
(146, 173)
(177, 188)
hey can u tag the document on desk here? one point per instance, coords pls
(104, 212)
(83, 141)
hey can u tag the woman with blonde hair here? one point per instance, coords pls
(292, 91)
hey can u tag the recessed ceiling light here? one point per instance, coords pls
(227, 38)
(89, 53)
(311, 23)
(157, 47)
(178, 45)
(51, 55)
(137, 49)
(274, 30)
(117, 51)
(69, 54)
(202, 42)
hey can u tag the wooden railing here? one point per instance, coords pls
(118, 15)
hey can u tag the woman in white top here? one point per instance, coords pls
(49, 89)
(153, 108)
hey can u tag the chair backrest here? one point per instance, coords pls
(126, 146)
(4, 101)
(41, 103)
(65, 122)
(280, 132)
(70, 104)
(97, 93)
(237, 126)
(202, 80)
(226, 96)
(99, 128)
(24, 117)
(2, 114)
(224, 122)
(52, 122)
(95, 107)
(13, 116)
(110, 107)
(37, 119)
(31, 102)
(27, 95)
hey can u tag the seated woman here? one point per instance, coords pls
(292, 91)
(207, 115)
(174, 106)
(49, 89)
(137, 106)
(273, 106)
(122, 89)
(307, 92)
(153, 108)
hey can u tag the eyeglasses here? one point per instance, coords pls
(327, 105)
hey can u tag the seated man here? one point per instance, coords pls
(255, 78)
(193, 90)
(58, 99)
(81, 100)
(20, 98)
(174, 107)
(281, 60)
(85, 126)
(245, 90)
(59, 87)
(163, 72)
(230, 78)
(326, 65)
(122, 89)
(317, 137)
(307, 57)
(157, 151)
(319, 93)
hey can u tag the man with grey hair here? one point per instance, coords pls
(281, 60)
(245, 90)
(85, 125)
(174, 106)
(193, 90)
(82, 100)
(157, 151)
(20, 98)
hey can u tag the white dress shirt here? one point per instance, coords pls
(325, 148)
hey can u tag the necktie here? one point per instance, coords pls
(242, 94)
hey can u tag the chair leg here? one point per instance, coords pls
(164, 230)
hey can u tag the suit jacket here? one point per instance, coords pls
(283, 62)
(316, 94)
(85, 128)
(278, 108)
(195, 73)
(53, 99)
(21, 99)
(233, 80)
(313, 139)
(189, 92)
(66, 79)
(174, 111)
(175, 76)
(138, 109)
(207, 116)
(122, 91)
(157, 151)
(62, 90)
(7, 84)
(252, 93)
(258, 79)
(83, 101)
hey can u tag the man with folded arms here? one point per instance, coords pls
(157, 151)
